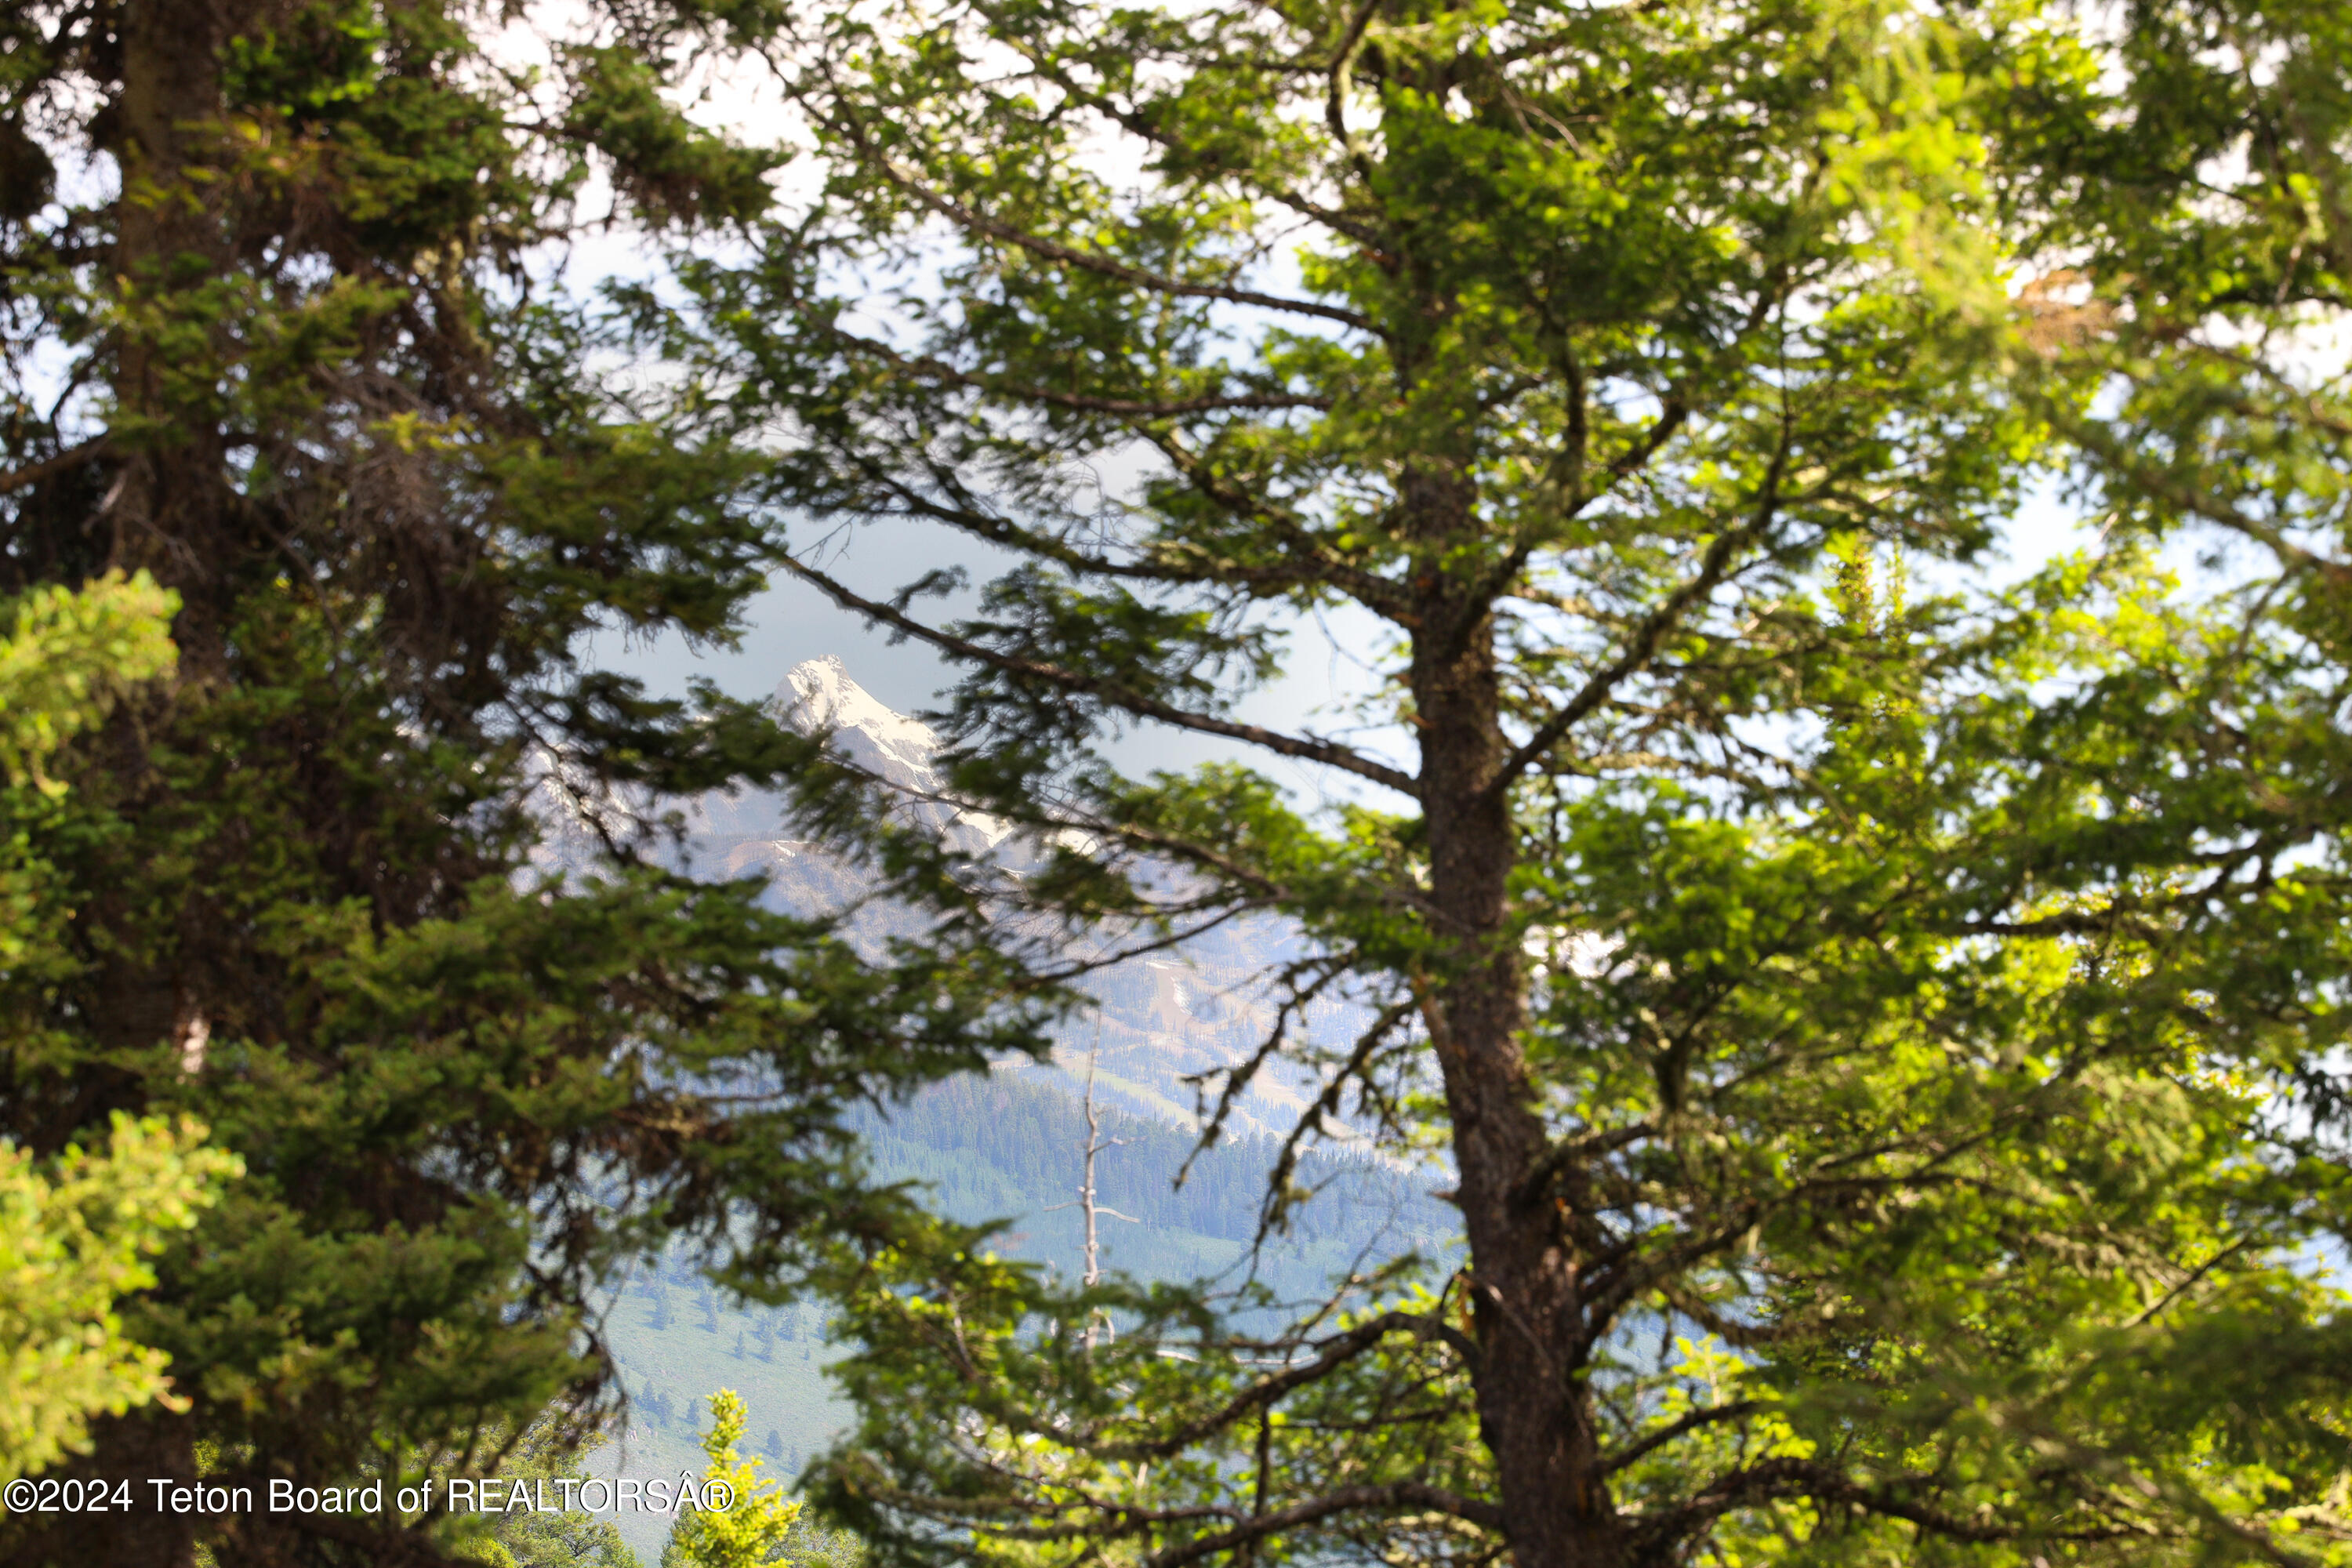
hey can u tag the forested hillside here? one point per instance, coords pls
(1005, 1146)
(1009, 1145)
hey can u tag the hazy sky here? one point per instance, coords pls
(792, 622)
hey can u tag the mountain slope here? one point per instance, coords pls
(1006, 1145)
(1163, 1021)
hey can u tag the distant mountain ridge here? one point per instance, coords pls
(1001, 1146)
(818, 697)
(1162, 1019)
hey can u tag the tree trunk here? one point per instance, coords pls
(167, 514)
(171, 505)
(1533, 1411)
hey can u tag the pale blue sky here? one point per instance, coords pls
(792, 622)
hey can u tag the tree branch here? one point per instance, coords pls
(1394, 1495)
(1205, 158)
(906, 178)
(1691, 1422)
(1337, 1352)
(1167, 562)
(1339, 82)
(1577, 1150)
(1497, 583)
(1286, 1163)
(2195, 500)
(1653, 630)
(1082, 401)
(50, 467)
(1307, 749)
(1771, 1478)
(1372, 590)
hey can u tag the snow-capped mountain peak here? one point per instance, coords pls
(818, 695)
(1162, 1020)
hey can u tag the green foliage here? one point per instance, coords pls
(73, 1241)
(551, 1537)
(1911, 994)
(757, 1520)
(79, 1233)
(376, 887)
(68, 654)
(809, 1545)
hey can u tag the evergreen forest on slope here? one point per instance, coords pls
(1007, 1147)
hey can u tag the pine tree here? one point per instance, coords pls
(551, 1537)
(1844, 992)
(283, 331)
(757, 1520)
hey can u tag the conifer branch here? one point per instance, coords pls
(1691, 1422)
(57, 463)
(1369, 589)
(1390, 1496)
(1110, 692)
(908, 179)
(1576, 1151)
(1651, 633)
(1311, 1120)
(1140, 125)
(1337, 1352)
(1125, 407)
(1768, 1479)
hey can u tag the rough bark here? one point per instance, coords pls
(169, 507)
(165, 510)
(1532, 1409)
